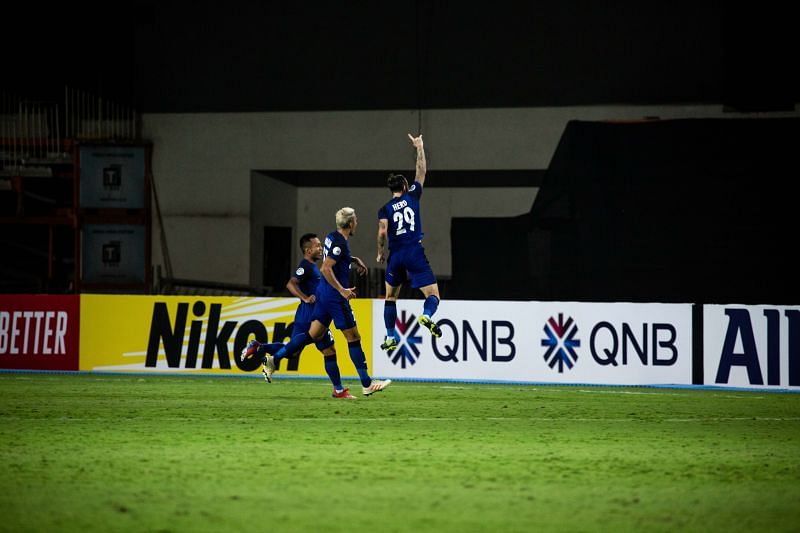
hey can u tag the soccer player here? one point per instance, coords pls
(303, 284)
(333, 303)
(400, 223)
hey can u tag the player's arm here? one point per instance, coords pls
(327, 272)
(422, 167)
(361, 268)
(293, 286)
(383, 224)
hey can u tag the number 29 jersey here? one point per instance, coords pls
(405, 220)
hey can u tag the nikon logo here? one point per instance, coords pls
(172, 333)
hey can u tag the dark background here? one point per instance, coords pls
(260, 56)
(686, 211)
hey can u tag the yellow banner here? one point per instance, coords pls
(202, 334)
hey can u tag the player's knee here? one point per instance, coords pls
(352, 335)
(430, 290)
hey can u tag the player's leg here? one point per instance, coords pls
(431, 293)
(422, 278)
(299, 327)
(345, 321)
(395, 277)
(260, 349)
(368, 385)
(263, 351)
(273, 348)
(390, 317)
(326, 347)
(316, 331)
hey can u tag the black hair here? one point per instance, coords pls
(396, 182)
(305, 239)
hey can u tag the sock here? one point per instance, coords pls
(297, 342)
(360, 362)
(332, 368)
(431, 305)
(269, 348)
(390, 317)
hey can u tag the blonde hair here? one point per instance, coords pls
(344, 217)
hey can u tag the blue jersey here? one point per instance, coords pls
(308, 278)
(405, 220)
(337, 248)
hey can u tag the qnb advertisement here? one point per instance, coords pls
(751, 346)
(39, 332)
(179, 334)
(543, 342)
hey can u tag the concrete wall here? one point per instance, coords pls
(316, 209)
(203, 163)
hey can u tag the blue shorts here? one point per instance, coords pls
(322, 344)
(303, 314)
(409, 263)
(334, 308)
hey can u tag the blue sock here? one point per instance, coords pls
(431, 305)
(332, 368)
(297, 342)
(390, 317)
(269, 348)
(360, 362)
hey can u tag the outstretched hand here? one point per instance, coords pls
(416, 141)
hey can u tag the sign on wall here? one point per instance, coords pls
(112, 177)
(198, 334)
(752, 346)
(548, 342)
(39, 332)
(113, 253)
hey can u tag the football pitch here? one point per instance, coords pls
(97, 452)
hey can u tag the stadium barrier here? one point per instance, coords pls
(545, 342)
(751, 346)
(620, 343)
(194, 334)
(39, 332)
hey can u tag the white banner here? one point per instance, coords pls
(545, 342)
(753, 346)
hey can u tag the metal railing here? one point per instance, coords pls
(33, 133)
(169, 285)
(30, 136)
(90, 117)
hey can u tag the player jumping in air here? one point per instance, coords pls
(400, 225)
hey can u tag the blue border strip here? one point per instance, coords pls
(412, 380)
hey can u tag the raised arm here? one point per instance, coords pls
(422, 168)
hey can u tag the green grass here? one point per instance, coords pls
(83, 452)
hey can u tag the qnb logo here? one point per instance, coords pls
(561, 343)
(407, 352)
